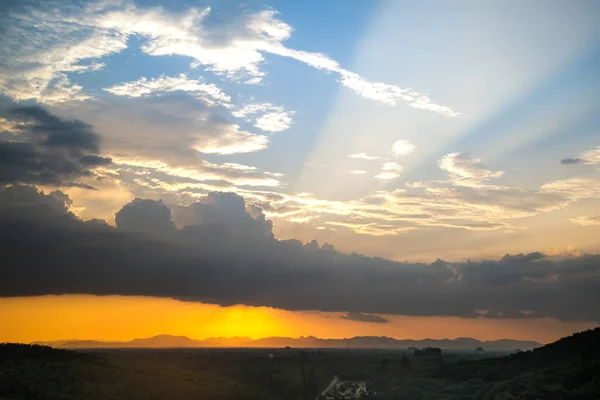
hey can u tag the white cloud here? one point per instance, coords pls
(384, 176)
(590, 157)
(187, 177)
(391, 94)
(391, 166)
(41, 47)
(403, 147)
(232, 141)
(467, 171)
(235, 49)
(208, 92)
(358, 172)
(254, 81)
(266, 116)
(574, 188)
(363, 156)
(274, 121)
(265, 25)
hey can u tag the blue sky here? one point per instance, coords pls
(409, 130)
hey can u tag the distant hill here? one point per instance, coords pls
(358, 342)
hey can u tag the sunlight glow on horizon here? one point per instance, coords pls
(121, 318)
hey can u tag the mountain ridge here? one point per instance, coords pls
(361, 342)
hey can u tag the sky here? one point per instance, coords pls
(399, 168)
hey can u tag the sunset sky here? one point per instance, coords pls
(286, 168)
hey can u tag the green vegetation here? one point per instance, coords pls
(568, 370)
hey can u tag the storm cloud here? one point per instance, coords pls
(41, 148)
(222, 252)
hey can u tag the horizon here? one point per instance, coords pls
(290, 168)
(272, 337)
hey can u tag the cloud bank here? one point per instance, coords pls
(221, 250)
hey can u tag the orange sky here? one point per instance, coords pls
(26, 319)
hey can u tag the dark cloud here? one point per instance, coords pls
(150, 216)
(218, 251)
(570, 161)
(357, 316)
(46, 149)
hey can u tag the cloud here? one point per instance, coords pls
(391, 166)
(391, 94)
(44, 53)
(569, 161)
(358, 172)
(42, 45)
(232, 141)
(203, 175)
(266, 116)
(589, 157)
(403, 148)
(467, 171)
(223, 251)
(371, 229)
(354, 316)
(384, 176)
(46, 149)
(587, 220)
(135, 127)
(149, 216)
(363, 156)
(389, 170)
(209, 93)
(475, 205)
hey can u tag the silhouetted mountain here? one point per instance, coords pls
(358, 342)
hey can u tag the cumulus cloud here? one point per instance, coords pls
(223, 251)
(46, 149)
(266, 116)
(360, 317)
(403, 148)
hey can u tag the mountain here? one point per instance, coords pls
(358, 342)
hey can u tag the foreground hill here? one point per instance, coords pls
(568, 369)
(359, 342)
